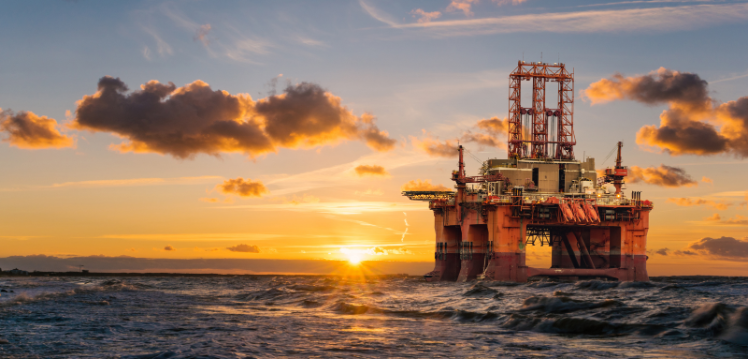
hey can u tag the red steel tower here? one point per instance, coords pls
(539, 131)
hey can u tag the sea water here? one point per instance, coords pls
(317, 316)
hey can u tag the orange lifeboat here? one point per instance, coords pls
(591, 213)
(567, 213)
(579, 212)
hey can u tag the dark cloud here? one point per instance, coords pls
(661, 86)
(694, 123)
(684, 253)
(723, 247)
(734, 117)
(662, 251)
(370, 170)
(425, 185)
(242, 187)
(193, 119)
(244, 248)
(169, 248)
(679, 135)
(29, 131)
(665, 176)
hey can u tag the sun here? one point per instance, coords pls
(354, 258)
(354, 255)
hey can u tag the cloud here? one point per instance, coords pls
(137, 182)
(434, 147)
(29, 131)
(694, 123)
(425, 185)
(494, 129)
(210, 200)
(370, 170)
(169, 248)
(202, 34)
(185, 121)
(689, 202)
(650, 19)
(727, 248)
(714, 217)
(665, 176)
(657, 87)
(244, 248)
(684, 253)
(243, 188)
(424, 16)
(706, 180)
(462, 5)
(662, 251)
(305, 198)
(369, 192)
(738, 220)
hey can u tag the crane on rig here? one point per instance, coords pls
(617, 174)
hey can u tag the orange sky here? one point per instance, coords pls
(162, 137)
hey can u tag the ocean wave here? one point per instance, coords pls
(563, 304)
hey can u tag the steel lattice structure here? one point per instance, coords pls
(538, 131)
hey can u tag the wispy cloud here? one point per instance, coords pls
(138, 182)
(192, 237)
(667, 18)
(348, 207)
(379, 15)
(163, 48)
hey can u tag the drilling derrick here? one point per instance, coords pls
(539, 131)
(540, 195)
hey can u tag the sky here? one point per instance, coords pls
(285, 130)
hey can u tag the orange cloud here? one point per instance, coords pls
(665, 176)
(434, 147)
(713, 218)
(185, 121)
(689, 202)
(305, 198)
(370, 170)
(202, 34)
(707, 180)
(425, 185)
(494, 129)
(738, 220)
(424, 17)
(462, 5)
(29, 131)
(244, 248)
(242, 187)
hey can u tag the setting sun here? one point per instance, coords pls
(354, 256)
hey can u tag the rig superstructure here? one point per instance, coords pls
(540, 195)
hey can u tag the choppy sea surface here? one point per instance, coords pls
(308, 316)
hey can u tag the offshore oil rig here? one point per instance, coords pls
(540, 195)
